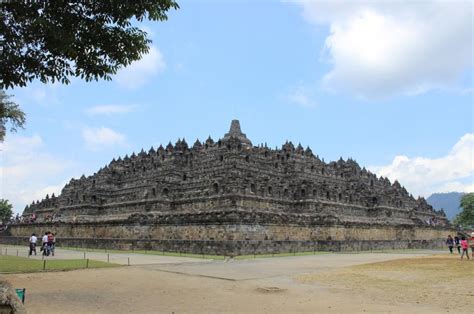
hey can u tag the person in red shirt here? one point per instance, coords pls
(472, 245)
(464, 247)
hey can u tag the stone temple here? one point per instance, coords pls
(231, 197)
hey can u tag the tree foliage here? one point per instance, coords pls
(6, 211)
(10, 113)
(466, 217)
(56, 40)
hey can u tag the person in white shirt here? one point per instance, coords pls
(44, 243)
(33, 240)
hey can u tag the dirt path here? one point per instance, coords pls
(325, 283)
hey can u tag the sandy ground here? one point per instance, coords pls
(329, 283)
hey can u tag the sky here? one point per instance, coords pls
(389, 84)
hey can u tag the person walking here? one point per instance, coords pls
(450, 243)
(457, 243)
(472, 245)
(51, 243)
(464, 247)
(44, 244)
(33, 240)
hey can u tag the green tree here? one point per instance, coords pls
(10, 113)
(55, 40)
(466, 217)
(5, 211)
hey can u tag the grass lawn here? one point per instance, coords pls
(249, 256)
(149, 252)
(240, 257)
(205, 256)
(15, 264)
(221, 257)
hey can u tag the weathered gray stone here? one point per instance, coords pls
(232, 183)
(9, 301)
(232, 175)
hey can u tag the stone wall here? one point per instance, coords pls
(233, 239)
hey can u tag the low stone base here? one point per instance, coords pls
(235, 248)
(232, 239)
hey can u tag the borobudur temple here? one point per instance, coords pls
(230, 197)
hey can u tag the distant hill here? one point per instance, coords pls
(448, 201)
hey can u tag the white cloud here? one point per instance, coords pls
(147, 30)
(38, 93)
(139, 72)
(383, 48)
(301, 96)
(423, 176)
(48, 190)
(110, 109)
(99, 138)
(456, 186)
(28, 172)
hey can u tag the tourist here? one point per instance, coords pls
(472, 245)
(464, 247)
(33, 240)
(44, 243)
(450, 243)
(50, 243)
(457, 243)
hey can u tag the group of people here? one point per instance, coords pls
(20, 219)
(48, 242)
(432, 221)
(462, 245)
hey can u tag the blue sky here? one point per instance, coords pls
(389, 84)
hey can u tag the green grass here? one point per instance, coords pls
(148, 252)
(394, 251)
(205, 256)
(15, 264)
(177, 254)
(250, 256)
(240, 257)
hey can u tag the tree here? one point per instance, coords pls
(9, 113)
(5, 211)
(466, 217)
(55, 40)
